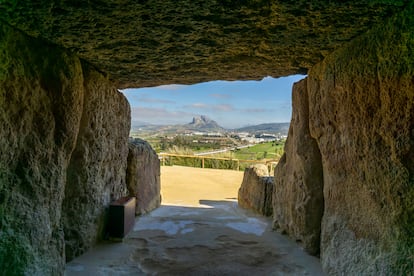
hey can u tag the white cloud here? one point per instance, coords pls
(171, 86)
(211, 107)
(198, 105)
(223, 107)
(156, 115)
(146, 99)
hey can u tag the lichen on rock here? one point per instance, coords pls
(41, 92)
(361, 115)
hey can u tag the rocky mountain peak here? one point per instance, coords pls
(203, 122)
(200, 120)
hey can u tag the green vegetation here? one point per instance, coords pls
(15, 254)
(403, 260)
(232, 160)
(201, 162)
(268, 150)
(189, 143)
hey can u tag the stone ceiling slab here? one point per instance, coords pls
(154, 42)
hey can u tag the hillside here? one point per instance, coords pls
(199, 123)
(281, 128)
(204, 124)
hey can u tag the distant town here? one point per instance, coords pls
(203, 135)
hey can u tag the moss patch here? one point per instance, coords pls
(15, 254)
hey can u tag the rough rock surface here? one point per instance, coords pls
(143, 176)
(298, 192)
(41, 101)
(53, 105)
(256, 190)
(362, 116)
(97, 171)
(154, 42)
(360, 98)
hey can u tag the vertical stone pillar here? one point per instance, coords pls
(143, 176)
(41, 102)
(298, 193)
(97, 170)
(362, 115)
(256, 190)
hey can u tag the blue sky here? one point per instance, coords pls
(231, 103)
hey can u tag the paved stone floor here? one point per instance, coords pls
(213, 237)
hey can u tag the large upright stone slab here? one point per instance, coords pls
(41, 102)
(143, 176)
(362, 116)
(53, 105)
(298, 191)
(97, 170)
(256, 190)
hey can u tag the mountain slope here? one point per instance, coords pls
(203, 123)
(282, 128)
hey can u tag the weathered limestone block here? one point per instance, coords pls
(143, 176)
(298, 192)
(362, 116)
(41, 101)
(97, 170)
(256, 190)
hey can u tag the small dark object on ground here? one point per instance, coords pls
(121, 217)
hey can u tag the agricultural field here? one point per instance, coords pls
(263, 151)
(232, 160)
(268, 150)
(238, 158)
(189, 144)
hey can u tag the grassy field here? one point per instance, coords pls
(269, 150)
(261, 152)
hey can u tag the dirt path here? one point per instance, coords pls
(199, 230)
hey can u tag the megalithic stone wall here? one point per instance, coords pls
(143, 176)
(256, 190)
(298, 192)
(63, 134)
(361, 101)
(96, 173)
(41, 103)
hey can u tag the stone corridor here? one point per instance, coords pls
(211, 237)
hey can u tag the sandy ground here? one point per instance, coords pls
(187, 186)
(199, 230)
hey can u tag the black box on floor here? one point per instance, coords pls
(121, 217)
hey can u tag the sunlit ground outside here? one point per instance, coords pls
(186, 186)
